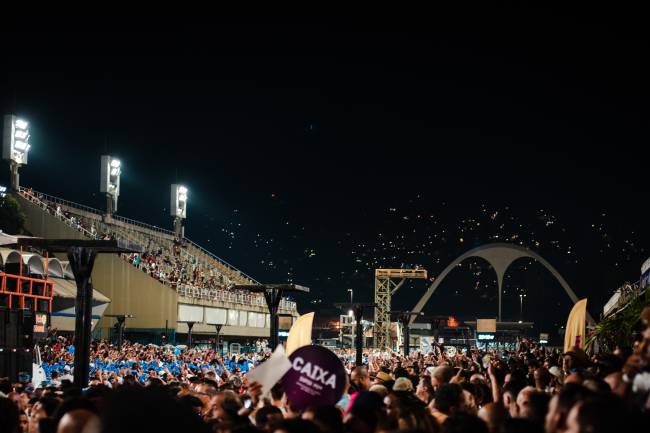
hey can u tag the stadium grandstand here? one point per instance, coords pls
(174, 282)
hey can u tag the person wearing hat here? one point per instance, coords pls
(403, 384)
(574, 360)
(381, 378)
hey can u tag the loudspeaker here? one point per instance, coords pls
(15, 362)
(11, 326)
(27, 330)
(16, 328)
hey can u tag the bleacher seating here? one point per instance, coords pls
(179, 263)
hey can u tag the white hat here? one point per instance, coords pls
(555, 371)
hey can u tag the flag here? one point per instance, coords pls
(300, 333)
(574, 335)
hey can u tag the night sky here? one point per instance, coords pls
(316, 150)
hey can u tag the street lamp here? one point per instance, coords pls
(110, 172)
(15, 146)
(178, 208)
(521, 307)
(351, 291)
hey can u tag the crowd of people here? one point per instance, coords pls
(167, 262)
(170, 389)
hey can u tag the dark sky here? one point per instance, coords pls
(317, 149)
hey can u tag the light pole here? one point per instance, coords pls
(110, 172)
(351, 291)
(178, 208)
(81, 255)
(521, 307)
(15, 146)
(357, 312)
(273, 294)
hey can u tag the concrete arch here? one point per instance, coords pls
(54, 268)
(500, 256)
(67, 271)
(35, 264)
(9, 256)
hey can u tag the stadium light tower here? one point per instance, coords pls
(178, 208)
(15, 146)
(111, 169)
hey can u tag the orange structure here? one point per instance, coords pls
(20, 292)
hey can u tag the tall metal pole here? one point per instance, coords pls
(358, 316)
(273, 296)
(216, 341)
(82, 261)
(121, 322)
(407, 345)
(190, 325)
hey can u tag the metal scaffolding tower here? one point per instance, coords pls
(387, 282)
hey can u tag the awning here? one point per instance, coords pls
(68, 289)
(6, 239)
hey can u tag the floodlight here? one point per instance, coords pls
(178, 203)
(111, 169)
(20, 145)
(15, 145)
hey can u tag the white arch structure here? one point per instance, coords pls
(500, 256)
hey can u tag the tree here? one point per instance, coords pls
(12, 217)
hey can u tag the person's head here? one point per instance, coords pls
(597, 414)
(561, 404)
(441, 375)
(379, 390)
(493, 414)
(573, 360)
(510, 392)
(276, 394)
(23, 422)
(462, 422)
(267, 416)
(403, 384)
(206, 387)
(483, 394)
(9, 419)
(360, 378)
(328, 419)
(542, 378)
(424, 391)
(532, 404)
(449, 398)
(381, 378)
(135, 410)
(410, 412)
(224, 407)
(469, 398)
(194, 403)
(617, 384)
(75, 421)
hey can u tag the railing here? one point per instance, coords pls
(230, 297)
(42, 198)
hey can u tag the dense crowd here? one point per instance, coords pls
(167, 262)
(170, 389)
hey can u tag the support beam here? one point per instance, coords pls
(357, 309)
(81, 255)
(273, 295)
